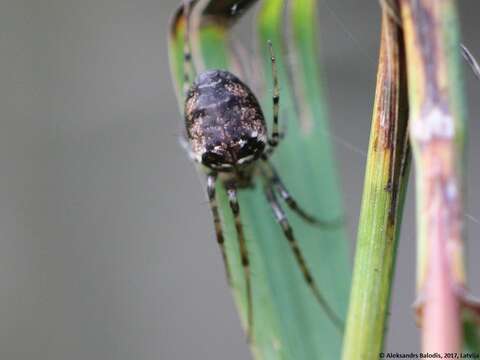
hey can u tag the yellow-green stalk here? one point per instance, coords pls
(381, 212)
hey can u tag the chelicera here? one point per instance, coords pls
(226, 134)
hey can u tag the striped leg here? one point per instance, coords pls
(211, 180)
(271, 149)
(287, 230)
(276, 98)
(275, 180)
(232, 197)
(187, 51)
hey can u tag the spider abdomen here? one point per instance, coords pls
(224, 121)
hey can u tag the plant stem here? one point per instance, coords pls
(381, 213)
(436, 133)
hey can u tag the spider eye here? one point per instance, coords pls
(210, 158)
(252, 147)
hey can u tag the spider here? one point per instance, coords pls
(226, 134)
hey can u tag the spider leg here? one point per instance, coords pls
(187, 51)
(270, 149)
(232, 198)
(277, 183)
(273, 142)
(211, 180)
(287, 230)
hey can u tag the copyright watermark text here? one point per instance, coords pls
(435, 355)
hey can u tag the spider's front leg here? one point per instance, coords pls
(233, 200)
(299, 258)
(275, 181)
(211, 181)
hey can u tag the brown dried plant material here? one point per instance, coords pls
(436, 133)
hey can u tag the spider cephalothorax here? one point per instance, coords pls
(226, 132)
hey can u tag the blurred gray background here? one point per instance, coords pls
(106, 243)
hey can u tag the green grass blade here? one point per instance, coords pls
(471, 332)
(381, 212)
(288, 323)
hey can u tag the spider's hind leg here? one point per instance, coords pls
(188, 70)
(292, 241)
(273, 141)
